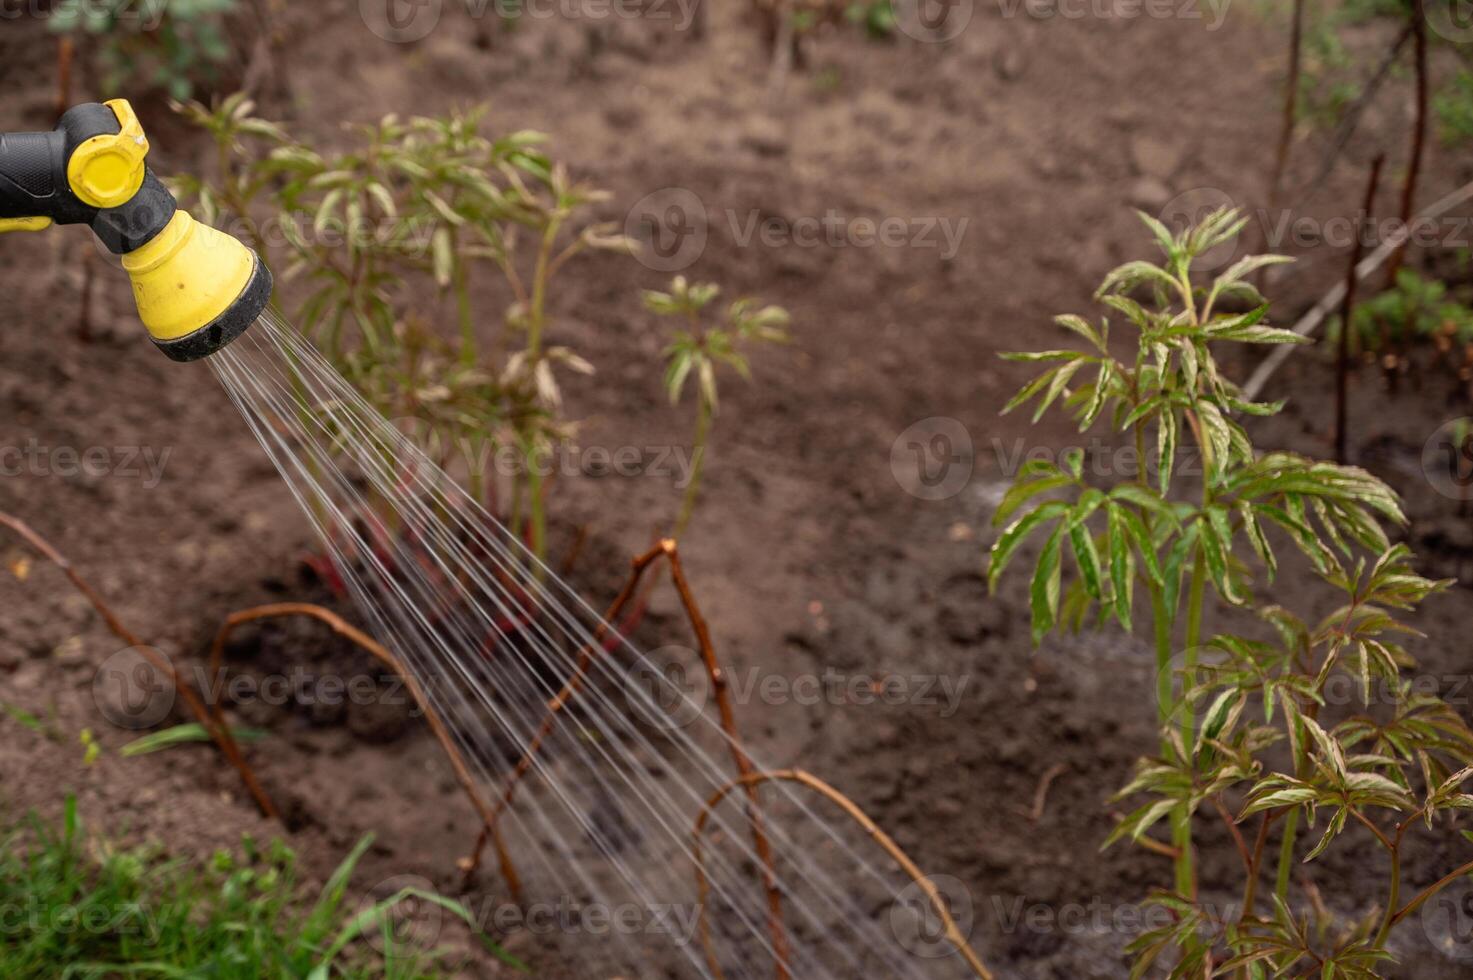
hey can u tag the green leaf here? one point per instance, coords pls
(1080, 326)
(1044, 592)
(1126, 277)
(1007, 543)
(1088, 559)
(1122, 563)
(188, 734)
(1022, 492)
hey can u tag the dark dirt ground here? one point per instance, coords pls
(808, 552)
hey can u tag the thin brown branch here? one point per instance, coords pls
(1250, 890)
(1232, 826)
(219, 732)
(1040, 794)
(1291, 101)
(1419, 137)
(356, 636)
(491, 831)
(1371, 826)
(1347, 309)
(572, 685)
(852, 810)
(1351, 117)
(66, 50)
(739, 755)
(1431, 890)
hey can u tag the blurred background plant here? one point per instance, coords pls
(698, 349)
(1418, 314)
(1344, 65)
(171, 45)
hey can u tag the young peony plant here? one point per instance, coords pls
(1247, 733)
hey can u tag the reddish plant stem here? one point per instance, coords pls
(1347, 308)
(739, 757)
(219, 732)
(1288, 117)
(1419, 138)
(1232, 826)
(491, 830)
(66, 50)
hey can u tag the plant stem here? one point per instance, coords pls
(1342, 355)
(1286, 855)
(468, 352)
(1393, 898)
(536, 316)
(1181, 821)
(1165, 702)
(1419, 138)
(704, 416)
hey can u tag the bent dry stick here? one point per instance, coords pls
(668, 549)
(851, 809)
(218, 731)
(356, 636)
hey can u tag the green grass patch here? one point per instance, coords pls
(79, 909)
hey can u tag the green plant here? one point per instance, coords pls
(418, 206)
(698, 349)
(96, 911)
(1246, 732)
(168, 44)
(1417, 311)
(875, 17)
(1454, 108)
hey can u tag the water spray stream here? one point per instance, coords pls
(619, 789)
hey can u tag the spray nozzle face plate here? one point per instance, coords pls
(230, 324)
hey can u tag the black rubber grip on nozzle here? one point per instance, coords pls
(33, 182)
(229, 325)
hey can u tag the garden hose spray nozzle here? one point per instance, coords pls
(197, 288)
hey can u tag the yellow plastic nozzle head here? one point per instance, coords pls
(197, 288)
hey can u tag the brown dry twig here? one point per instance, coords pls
(852, 810)
(667, 548)
(1040, 795)
(360, 639)
(217, 730)
(570, 687)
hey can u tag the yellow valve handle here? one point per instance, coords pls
(107, 170)
(24, 224)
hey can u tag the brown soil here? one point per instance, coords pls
(808, 553)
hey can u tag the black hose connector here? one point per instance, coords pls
(34, 182)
